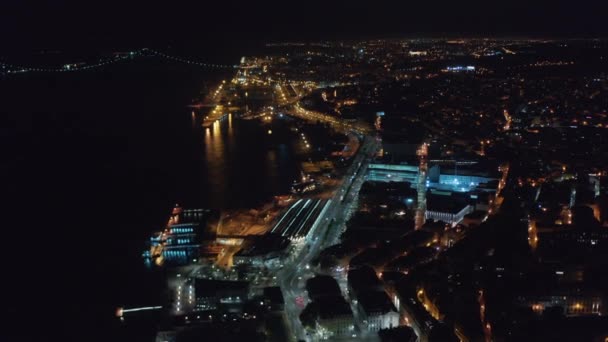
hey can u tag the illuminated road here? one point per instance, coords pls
(338, 124)
(293, 276)
(496, 203)
(285, 95)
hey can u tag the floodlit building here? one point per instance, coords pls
(392, 173)
(573, 303)
(446, 209)
(180, 242)
(335, 318)
(378, 311)
(220, 294)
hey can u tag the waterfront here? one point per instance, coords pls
(102, 158)
(442, 172)
(242, 165)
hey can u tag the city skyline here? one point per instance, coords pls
(309, 171)
(68, 24)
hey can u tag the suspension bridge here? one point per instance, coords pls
(9, 68)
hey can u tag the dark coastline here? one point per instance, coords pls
(96, 160)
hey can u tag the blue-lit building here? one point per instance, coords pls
(460, 68)
(460, 178)
(456, 188)
(180, 242)
(377, 172)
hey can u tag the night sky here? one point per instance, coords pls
(111, 23)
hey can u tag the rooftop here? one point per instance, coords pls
(322, 286)
(262, 245)
(210, 287)
(399, 334)
(446, 204)
(274, 294)
(364, 278)
(334, 306)
(375, 302)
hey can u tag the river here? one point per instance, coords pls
(92, 164)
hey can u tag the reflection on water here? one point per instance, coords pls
(243, 166)
(214, 157)
(271, 163)
(230, 124)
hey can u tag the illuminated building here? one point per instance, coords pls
(220, 294)
(460, 68)
(332, 314)
(446, 209)
(392, 173)
(460, 178)
(573, 304)
(335, 318)
(377, 310)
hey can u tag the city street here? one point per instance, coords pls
(292, 277)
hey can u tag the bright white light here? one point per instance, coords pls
(145, 308)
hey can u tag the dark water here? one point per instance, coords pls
(91, 164)
(244, 166)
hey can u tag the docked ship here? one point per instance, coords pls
(180, 241)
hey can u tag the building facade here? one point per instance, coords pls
(449, 217)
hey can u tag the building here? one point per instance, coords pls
(412, 259)
(322, 286)
(363, 279)
(377, 310)
(335, 318)
(581, 328)
(166, 336)
(584, 239)
(377, 172)
(558, 236)
(446, 209)
(262, 250)
(332, 314)
(180, 242)
(400, 334)
(475, 218)
(274, 298)
(573, 303)
(463, 176)
(220, 294)
(427, 327)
